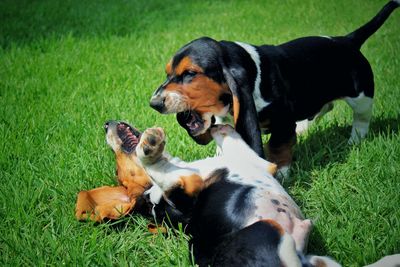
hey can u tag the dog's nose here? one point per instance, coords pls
(157, 102)
(108, 124)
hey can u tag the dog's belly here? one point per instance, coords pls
(283, 210)
(276, 206)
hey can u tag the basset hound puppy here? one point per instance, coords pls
(268, 89)
(241, 215)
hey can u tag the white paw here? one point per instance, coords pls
(357, 136)
(323, 261)
(155, 194)
(302, 126)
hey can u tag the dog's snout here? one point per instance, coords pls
(109, 125)
(106, 125)
(157, 102)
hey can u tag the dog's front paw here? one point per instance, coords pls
(151, 145)
(154, 194)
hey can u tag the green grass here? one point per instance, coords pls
(68, 66)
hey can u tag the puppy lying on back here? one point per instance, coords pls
(241, 215)
(114, 202)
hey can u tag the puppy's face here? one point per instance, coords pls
(195, 88)
(123, 140)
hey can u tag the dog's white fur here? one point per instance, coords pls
(258, 100)
(362, 113)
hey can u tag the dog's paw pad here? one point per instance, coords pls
(152, 143)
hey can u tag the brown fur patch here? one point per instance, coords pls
(131, 175)
(154, 229)
(192, 184)
(201, 94)
(103, 202)
(186, 64)
(114, 202)
(168, 68)
(283, 154)
(236, 108)
(272, 168)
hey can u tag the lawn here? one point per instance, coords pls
(68, 66)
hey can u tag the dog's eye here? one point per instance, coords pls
(189, 73)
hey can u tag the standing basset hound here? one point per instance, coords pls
(269, 88)
(241, 215)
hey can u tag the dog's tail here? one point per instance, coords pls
(359, 36)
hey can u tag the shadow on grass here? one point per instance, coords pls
(321, 148)
(316, 244)
(24, 22)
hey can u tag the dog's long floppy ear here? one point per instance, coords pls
(244, 110)
(105, 202)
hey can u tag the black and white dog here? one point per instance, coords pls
(269, 88)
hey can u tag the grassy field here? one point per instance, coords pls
(68, 66)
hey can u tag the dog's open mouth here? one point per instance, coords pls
(192, 121)
(129, 136)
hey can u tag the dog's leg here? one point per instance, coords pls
(280, 150)
(362, 112)
(302, 126)
(222, 120)
(322, 261)
(151, 146)
(167, 174)
(301, 232)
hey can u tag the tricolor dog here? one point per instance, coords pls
(269, 88)
(241, 215)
